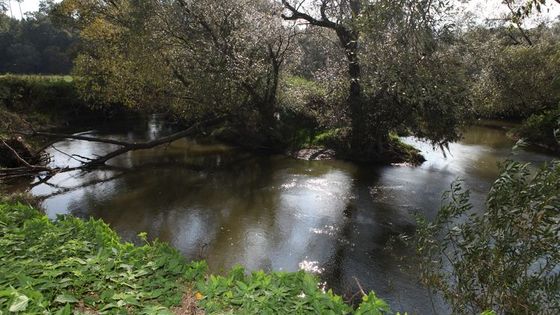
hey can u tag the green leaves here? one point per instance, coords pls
(277, 293)
(372, 305)
(503, 257)
(19, 303)
(52, 266)
(65, 298)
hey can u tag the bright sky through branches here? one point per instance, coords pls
(483, 9)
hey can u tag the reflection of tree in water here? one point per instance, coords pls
(362, 254)
(157, 198)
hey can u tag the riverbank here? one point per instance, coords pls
(43, 102)
(72, 265)
(38, 102)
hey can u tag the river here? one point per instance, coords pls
(332, 218)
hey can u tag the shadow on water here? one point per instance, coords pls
(275, 213)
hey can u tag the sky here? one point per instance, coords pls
(482, 8)
(26, 6)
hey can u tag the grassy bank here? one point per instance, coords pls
(44, 102)
(74, 266)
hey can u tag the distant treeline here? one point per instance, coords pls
(35, 45)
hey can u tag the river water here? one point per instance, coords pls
(332, 218)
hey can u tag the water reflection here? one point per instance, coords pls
(275, 213)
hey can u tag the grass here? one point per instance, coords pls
(37, 77)
(308, 138)
(71, 266)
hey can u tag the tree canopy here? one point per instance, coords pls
(35, 45)
(363, 68)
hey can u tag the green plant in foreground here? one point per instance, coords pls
(506, 259)
(54, 266)
(70, 266)
(262, 293)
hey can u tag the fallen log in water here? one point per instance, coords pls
(27, 169)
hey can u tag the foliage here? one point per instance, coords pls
(523, 9)
(516, 81)
(542, 129)
(35, 45)
(413, 75)
(191, 58)
(511, 69)
(393, 67)
(262, 293)
(55, 266)
(201, 58)
(42, 101)
(278, 293)
(37, 91)
(505, 258)
(74, 265)
(308, 114)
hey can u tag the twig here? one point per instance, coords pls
(359, 286)
(66, 154)
(100, 160)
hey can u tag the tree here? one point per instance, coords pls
(35, 45)
(3, 6)
(510, 78)
(345, 12)
(412, 29)
(523, 9)
(199, 58)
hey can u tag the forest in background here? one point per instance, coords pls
(342, 74)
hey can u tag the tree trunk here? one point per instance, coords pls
(355, 101)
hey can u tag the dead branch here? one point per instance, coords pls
(15, 154)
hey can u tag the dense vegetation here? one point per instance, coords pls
(364, 69)
(197, 59)
(349, 75)
(513, 79)
(43, 102)
(504, 258)
(35, 45)
(71, 265)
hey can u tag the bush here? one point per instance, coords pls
(516, 81)
(45, 102)
(506, 258)
(542, 129)
(306, 100)
(25, 91)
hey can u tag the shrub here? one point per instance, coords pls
(541, 129)
(24, 91)
(506, 258)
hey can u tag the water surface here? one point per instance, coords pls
(333, 218)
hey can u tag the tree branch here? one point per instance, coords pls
(15, 154)
(100, 161)
(75, 137)
(297, 15)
